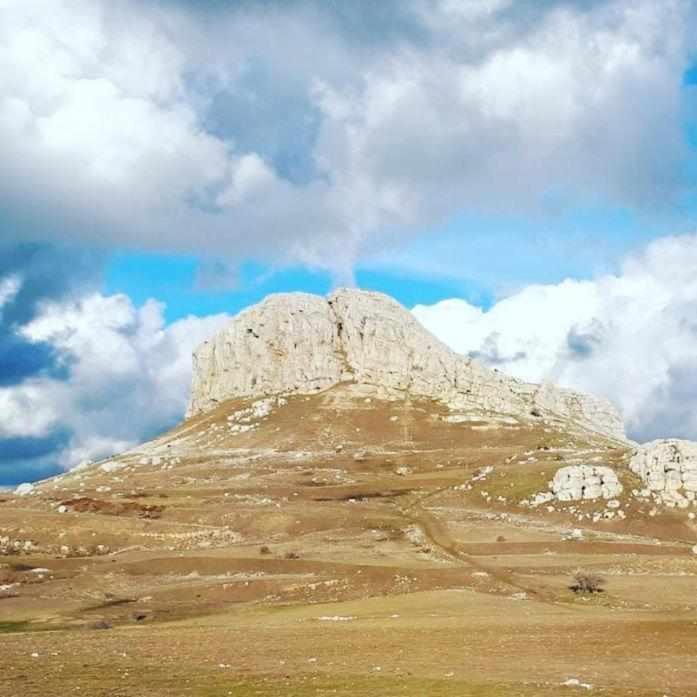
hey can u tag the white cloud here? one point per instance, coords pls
(105, 119)
(551, 111)
(129, 375)
(26, 411)
(250, 177)
(631, 337)
(9, 287)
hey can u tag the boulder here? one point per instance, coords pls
(589, 482)
(668, 468)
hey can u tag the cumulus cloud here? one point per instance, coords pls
(128, 376)
(631, 337)
(415, 111)
(26, 412)
(29, 274)
(9, 287)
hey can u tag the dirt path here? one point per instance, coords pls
(437, 533)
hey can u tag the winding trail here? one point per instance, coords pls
(437, 533)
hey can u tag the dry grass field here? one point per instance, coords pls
(343, 545)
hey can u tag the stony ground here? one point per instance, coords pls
(342, 545)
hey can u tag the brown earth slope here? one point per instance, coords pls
(341, 544)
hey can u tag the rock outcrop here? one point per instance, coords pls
(297, 343)
(589, 482)
(668, 469)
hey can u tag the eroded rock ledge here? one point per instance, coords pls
(298, 343)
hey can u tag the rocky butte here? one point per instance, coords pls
(297, 343)
(352, 508)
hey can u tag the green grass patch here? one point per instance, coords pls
(10, 627)
(520, 481)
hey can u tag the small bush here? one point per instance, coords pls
(500, 538)
(291, 555)
(584, 582)
(101, 624)
(264, 549)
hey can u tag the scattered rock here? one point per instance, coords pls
(541, 498)
(336, 618)
(575, 682)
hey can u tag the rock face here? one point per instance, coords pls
(298, 343)
(590, 482)
(668, 469)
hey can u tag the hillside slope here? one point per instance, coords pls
(367, 538)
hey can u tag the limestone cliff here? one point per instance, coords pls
(301, 343)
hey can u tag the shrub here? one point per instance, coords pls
(264, 549)
(291, 555)
(101, 624)
(585, 582)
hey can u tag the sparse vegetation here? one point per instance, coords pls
(101, 624)
(291, 555)
(264, 549)
(587, 582)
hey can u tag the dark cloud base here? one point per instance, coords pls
(47, 273)
(30, 459)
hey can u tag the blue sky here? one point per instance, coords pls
(175, 160)
(478, 258)
(176, 282)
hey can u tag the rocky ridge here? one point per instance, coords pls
(298, 343)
